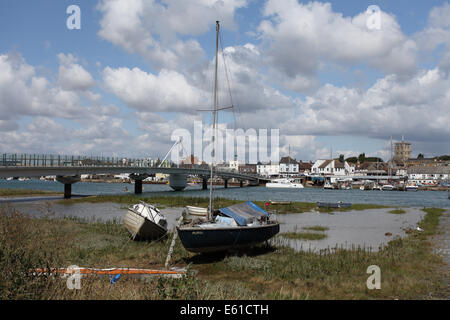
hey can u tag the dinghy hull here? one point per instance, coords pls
(200, 240)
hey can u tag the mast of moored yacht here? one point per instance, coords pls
(213, 153)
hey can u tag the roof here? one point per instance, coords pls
(288, 160)
(429, 170)
(325, 164)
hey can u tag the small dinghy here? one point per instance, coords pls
(145, 222)
(338, 204)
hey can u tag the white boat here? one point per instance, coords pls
(144, 221)
(328, 186)
(284, 183)
(9, 179)
(196, 211)
(387, 187)
(376, 187)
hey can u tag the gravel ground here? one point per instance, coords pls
(442, 247)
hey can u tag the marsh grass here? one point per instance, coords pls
(303, 235)
(397, 211)
(316, 228)
(25, 192)
(276, 271)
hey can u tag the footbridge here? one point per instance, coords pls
(68, 170)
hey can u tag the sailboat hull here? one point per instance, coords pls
(200, 240)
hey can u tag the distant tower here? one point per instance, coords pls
(402, 151)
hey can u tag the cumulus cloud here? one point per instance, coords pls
(72, 76)
(151, 29)
(299, 39)
(168, 91)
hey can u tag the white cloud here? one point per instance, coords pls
(168, 91)
(299, 39)
(72, 76)
(151, 29)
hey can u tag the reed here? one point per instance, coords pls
(409, 268)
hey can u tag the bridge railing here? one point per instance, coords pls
(51, 160)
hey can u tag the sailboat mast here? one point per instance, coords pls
(213, 153)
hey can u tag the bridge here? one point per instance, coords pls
(68, 170)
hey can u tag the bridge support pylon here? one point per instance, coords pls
(241, 183)
(138, 181)
(225, 183)
(204, 183)
(68, 181)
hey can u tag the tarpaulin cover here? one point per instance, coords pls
(244, 213)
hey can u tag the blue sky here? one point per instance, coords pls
(308, 89)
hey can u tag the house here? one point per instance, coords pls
(426, 174)
(248, 169)
(332, 167)
(371, 169)
(304, 167)
(268, 170)
(288, 166)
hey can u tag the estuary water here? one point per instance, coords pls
(419, 199)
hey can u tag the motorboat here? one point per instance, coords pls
(412, 187)
(387, 187)
(284, 183)
(145, 222)
(376, 187)
(328, 186)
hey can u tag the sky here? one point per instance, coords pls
(332, 77)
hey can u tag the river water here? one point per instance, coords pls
(419, 199)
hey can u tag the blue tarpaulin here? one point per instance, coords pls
(244, 213)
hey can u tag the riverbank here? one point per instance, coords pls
(180, 201)
(26, 192)
(409, 268)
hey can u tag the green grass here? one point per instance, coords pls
(316, 228)
(397, 211)
(25, 192)
(303, 235)
(409, 268)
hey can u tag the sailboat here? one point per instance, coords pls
(234, 227)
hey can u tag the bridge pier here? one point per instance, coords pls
(68, 181)
(178, 181)
(225, 183)
(204, 183)
(138, 181)
(241, 183)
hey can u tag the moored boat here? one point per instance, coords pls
(387, 187)
(338, 204)
(412, 187)
(145, 222)
(238, 226)
(284, 183)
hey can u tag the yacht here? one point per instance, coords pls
(412, 187)
(284, 183)
(387, 187)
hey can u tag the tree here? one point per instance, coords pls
(362, 158)
(341, 158)
(352, 159)
(420, 156)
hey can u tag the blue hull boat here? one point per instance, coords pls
(235, 227)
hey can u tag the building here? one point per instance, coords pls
(304, 167)
(429, 175)
(288, 166)
(402, 152)
(248, 169)
(268, 170)
(332, 167)
(234, 165)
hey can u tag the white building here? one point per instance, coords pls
(433, 175)
(234, 165)
(268, 170)
(288, 166)
(332, 167)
